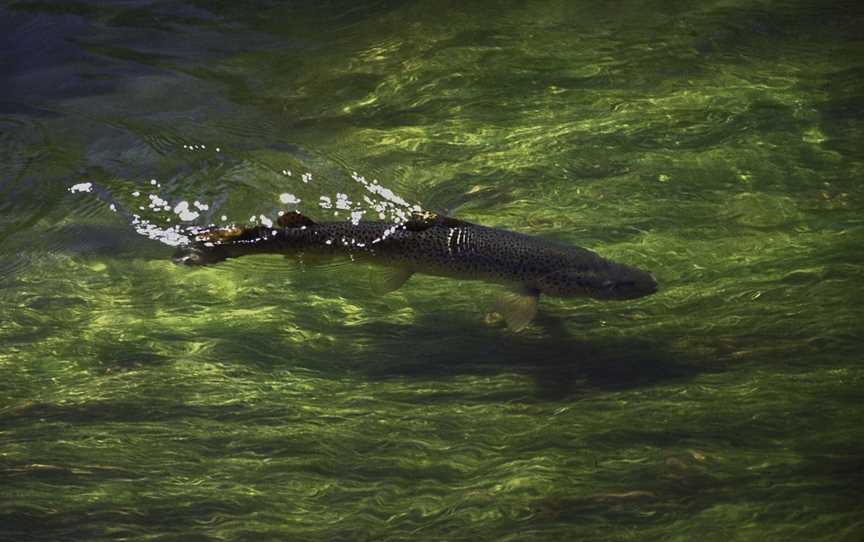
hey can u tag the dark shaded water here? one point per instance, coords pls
(717, 144)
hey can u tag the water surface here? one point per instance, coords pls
(717, 144)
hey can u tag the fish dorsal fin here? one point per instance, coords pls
(219, 235)
(293, 219)
(422, 220)
(518, 307)
(388, 279)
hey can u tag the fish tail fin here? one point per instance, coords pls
(199, 255)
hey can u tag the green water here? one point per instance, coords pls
(718, 144)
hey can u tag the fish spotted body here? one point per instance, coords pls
(442, 246)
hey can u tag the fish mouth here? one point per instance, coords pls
(649, 285)
(634, 285)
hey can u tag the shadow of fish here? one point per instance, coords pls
(441, 246)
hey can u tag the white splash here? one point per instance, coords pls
(342, 202)
(379, 200)
(173, 236)
(81, 187)
(289, 199)
(157, 203)
(388, 195)
(182, 210)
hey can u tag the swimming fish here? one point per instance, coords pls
(437, 245)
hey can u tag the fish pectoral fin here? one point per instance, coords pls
(388, 279)
(518, 307)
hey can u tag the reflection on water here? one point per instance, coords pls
(715, 143)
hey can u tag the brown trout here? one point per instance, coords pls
(441, 246)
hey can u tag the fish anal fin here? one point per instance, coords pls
(518, 307)
(388, 279)
(293, 219)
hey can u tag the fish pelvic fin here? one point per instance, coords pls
(388, 279)
(518, 307)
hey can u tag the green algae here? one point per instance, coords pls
(712, 144)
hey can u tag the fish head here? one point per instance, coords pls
(611, 281)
